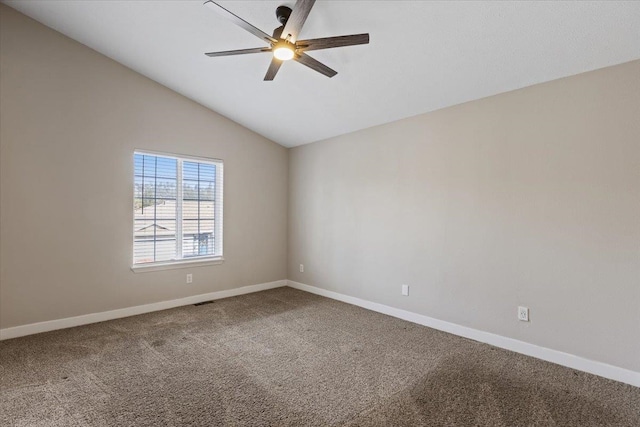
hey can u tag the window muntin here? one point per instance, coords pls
(177, 206)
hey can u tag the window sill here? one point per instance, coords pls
(158, 266)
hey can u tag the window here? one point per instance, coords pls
(177, 209)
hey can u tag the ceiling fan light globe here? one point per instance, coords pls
(283, 53)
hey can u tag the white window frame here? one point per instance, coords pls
(218, 217)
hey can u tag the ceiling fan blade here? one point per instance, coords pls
(239, 21)
(329, 42)
(296, 19)
(273, 69)
(239, 51)
(318, 66)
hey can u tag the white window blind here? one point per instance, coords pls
(177, 209)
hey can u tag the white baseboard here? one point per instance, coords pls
(554, 356)
(69, 322)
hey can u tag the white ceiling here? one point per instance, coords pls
(423, 55)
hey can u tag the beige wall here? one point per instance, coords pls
(70, 120)
(526, 198)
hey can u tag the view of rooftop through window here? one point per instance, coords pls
(175, 208)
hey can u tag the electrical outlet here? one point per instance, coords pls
(405, 290)
(523, 314)
(189, 278)
(301, 268)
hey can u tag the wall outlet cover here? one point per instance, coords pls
(523, 314)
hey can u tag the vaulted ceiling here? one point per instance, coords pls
(423, 55)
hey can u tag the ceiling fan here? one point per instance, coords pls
(284, 44)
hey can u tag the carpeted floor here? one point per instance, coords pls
(286, 357)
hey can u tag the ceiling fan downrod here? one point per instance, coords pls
(282, 13)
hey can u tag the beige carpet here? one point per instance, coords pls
(286, 357)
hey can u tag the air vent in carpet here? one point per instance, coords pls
(203, 303)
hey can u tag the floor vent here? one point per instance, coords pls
(203, 303)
